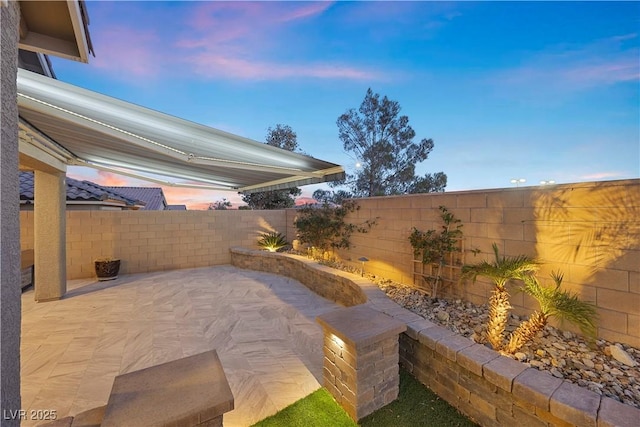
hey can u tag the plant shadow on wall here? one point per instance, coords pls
(324, 228)
(552, 301)
(595, 227)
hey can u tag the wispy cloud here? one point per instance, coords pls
(113, 180)
(570, 69)
(601, 176)
(218, 65)
(128, 51)
(230, 41)
(221, 40)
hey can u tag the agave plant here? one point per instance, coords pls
(500, 271)
(272, 241)
(553, 302)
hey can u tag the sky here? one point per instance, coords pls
(532, 90)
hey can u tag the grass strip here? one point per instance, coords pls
(319, 409)
(416, 406)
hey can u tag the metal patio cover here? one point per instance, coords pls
(91, 129)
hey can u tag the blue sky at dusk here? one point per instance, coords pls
(534, 90)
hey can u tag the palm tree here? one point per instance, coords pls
(553, 302)
(500, 272)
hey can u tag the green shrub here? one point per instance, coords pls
(324, 227)
(272, 241)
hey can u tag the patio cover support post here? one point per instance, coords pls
(50, 256)
(10, 222)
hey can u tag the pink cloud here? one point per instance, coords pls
(112, 180)
(607, 73)
(221, 40)
(225, 16)
(600, 176)
(127, 51)
(309, 9)
(227, 38)
(215, 65)
(198, 199)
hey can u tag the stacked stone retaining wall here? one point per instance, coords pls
(491, 389)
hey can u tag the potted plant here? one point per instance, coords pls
(107, 268)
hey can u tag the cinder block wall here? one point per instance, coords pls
(588, 231)
(156, 240)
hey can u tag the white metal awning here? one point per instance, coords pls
(91, 129)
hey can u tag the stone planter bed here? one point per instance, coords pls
(605, 368)
(492, 389)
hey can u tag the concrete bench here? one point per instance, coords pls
(188, 392)
(191, 391)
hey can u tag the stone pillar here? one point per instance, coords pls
(361, 358)
(49, 226)
(10, 218)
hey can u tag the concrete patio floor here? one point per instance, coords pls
(262, 326)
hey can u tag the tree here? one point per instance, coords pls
(219, 205)
(382, 140)
(331, 197)
(434, 248)
(282, 136)
(272, 199)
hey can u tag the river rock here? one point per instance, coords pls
(622, 356)
(559, 346)
(443, 316)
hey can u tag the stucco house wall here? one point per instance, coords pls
(9, 206)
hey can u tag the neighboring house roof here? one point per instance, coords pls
(176, 207)
(152, 196)
(79, 191)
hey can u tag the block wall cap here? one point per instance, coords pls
(431, 336)
(475, 357)
(616, 414)
(536, 387)
(575, 404)
(502, 371)
(360, 325)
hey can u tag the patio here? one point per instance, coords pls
(262, 325)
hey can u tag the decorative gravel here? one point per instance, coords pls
(606, 368)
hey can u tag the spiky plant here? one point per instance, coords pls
(553, 302)
(272, 241)
(500, 271)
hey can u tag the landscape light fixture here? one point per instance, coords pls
(518, 181)
(547, 182)
(362, 259)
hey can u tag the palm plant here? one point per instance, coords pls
(272, 241)
(553, 302)
(500, 271)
